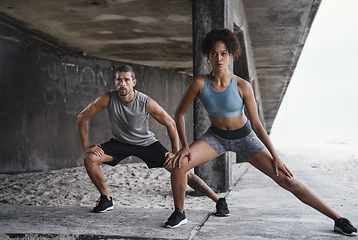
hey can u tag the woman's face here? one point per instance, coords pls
(219, 56)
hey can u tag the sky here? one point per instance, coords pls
(321, 101)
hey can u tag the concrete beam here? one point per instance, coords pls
(209, 14)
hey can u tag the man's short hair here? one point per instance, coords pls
(126, 68)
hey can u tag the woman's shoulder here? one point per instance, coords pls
(197, 84)
(244, 87)
(242, 83)
(198, 81)
(200, 78)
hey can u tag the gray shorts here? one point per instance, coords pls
(242, 141)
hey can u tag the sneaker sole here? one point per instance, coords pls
(337, 229)
(222, 214)
(105, 210)
(184, 221)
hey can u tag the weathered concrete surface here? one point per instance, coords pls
(206, 16)
(278, 31)
(158, 33)
(80, 222)
(43, 91)
(47, 51)
(259, 210)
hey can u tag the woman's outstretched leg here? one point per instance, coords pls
(263, 162)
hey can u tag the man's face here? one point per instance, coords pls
(124, 83)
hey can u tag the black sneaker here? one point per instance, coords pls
(176, 219)
(221, 208)
(344, 226)
(103, 204)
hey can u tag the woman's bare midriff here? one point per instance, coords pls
(229, 123)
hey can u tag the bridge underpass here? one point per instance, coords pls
(57, 56)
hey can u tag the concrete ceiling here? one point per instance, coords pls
(158, 33)
(152, 32)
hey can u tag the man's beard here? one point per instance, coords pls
(124, 93)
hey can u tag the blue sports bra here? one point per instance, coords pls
(222, 104)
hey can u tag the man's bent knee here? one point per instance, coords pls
(91, 158)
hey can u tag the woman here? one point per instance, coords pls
(224, 96)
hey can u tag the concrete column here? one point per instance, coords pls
(209, 14)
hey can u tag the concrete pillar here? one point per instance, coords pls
(209, 14)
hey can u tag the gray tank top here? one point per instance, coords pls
(129, 121)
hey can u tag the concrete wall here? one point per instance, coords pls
(42, 92)
(241, 27)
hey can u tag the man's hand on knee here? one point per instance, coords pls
(95, 149)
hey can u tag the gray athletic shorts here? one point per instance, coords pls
(242, 141)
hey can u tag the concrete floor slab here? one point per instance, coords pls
(260, 209)
(36, 222)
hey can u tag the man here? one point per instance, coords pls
(128, 111)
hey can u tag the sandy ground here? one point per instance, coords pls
(136, 186)
(131, 185)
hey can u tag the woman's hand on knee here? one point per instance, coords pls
(279, 165)
(181, 156)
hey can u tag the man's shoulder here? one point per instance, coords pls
(111, 93)
(104, 96)
(109, 97)
(142, 97)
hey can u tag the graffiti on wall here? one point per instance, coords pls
(69, 82)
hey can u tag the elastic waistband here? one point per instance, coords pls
(232, 134)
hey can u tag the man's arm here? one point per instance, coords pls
(89, 112)
(159, 114)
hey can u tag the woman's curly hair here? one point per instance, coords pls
(221, 34)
